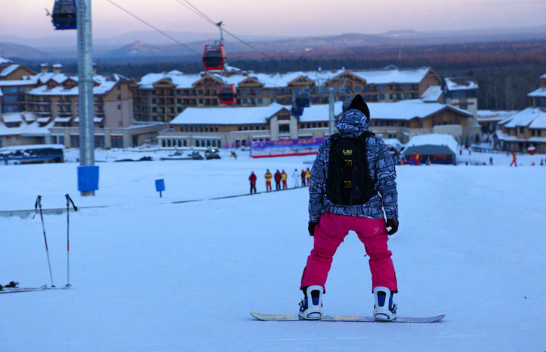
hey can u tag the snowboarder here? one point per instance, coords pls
(491, 161)
(352, 186)
(277, 180)
(283, 178)
(295, 177)
(541, 162)
(268, 177)
(252, 180)
(303, 175)
(308, 176)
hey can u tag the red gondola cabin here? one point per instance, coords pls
(227, 94)
(214, 57)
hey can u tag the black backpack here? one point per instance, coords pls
(349, 181)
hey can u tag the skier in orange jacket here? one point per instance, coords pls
(268, 177)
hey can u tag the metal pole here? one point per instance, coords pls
(331, 101)
(86, 109)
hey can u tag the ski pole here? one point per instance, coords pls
(68, 201)
(37, 205)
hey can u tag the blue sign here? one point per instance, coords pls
(160, 186)
(88, 178)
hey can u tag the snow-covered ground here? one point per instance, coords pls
(149, 275)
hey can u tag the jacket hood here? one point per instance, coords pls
(353, 122)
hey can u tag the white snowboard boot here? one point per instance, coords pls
(384, 309)
(311, 305)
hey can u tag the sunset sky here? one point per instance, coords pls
(285, 17)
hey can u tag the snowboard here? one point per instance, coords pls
(345, 318)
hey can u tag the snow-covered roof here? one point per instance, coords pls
(5, 61)
(26, 81)
(384, 76)
(494, 115)
(9, 69)
(33, 146)
(95, 119)
(505, 137)
(408, 109)
(320, 112)
(63, 119)
(25, 129)
(227, 115)
(461, 83)
(532, 117)
(12, 117)
(432, 94)
(393, 142)
(434, 139)
(105, 84)
(541, 92)
(543, 76)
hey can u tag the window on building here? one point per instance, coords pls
(245, 91)
(245, 100)
(406, 95)
(260, 101)
(381, 96)
(521, 130)
(358, 88)
(541, 102)
(153, 92)
(260, 91)
(366, 88)
(116, 141)
(381, 88)
(463, 107)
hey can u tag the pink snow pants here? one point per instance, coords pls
(329, 234)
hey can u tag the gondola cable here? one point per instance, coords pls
(205, 17)
(153, 27)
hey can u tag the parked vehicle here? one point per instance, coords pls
(212, 153)
(195, 155)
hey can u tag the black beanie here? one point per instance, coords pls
(359, 104)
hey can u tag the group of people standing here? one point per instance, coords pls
(304, 176)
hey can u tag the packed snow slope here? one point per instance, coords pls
(149, 275)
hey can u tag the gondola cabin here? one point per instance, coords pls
(296, 110)
(227, 94)
(64, 15)
(303, 98)
(214, 57)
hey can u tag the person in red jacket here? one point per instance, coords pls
(252, 180)
(514, 160)
(277, 180)
(303, 174)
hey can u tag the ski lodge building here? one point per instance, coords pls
(49, 101)
(183, 110)
(238, 126)
(528, 127)
(163, 96)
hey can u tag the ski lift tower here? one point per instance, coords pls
(88, 173)
(330, 90)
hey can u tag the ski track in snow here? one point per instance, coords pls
(148, 275)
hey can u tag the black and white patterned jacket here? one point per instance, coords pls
(351, 125)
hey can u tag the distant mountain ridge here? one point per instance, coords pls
(152, 44)
(16, 50)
